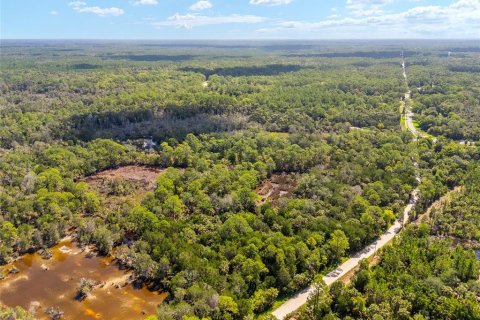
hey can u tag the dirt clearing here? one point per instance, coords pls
(278, 186)
(135, 174)
(124, 184)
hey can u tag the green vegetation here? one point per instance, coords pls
(418, 277)
(202, 235)
(446, 90)
(16, 313)
(460, 217)
(431, 271)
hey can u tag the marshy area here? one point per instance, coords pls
(48, 285)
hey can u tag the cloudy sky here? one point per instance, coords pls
(239, 19)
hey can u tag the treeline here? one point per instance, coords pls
(128, 101)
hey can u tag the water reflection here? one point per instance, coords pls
(53, 283)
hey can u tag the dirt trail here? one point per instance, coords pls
(438, 204)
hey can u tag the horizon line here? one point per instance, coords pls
(241, 39)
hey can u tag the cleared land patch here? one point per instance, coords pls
(277, 187)
(129, 183)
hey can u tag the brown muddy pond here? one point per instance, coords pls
(35, 288)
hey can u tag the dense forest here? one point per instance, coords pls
(418, 277)
(446, 95)
(459, 217)
(222, 123)
(430, 272)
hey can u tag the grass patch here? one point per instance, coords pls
(416, 124)
(278, 134)
(403, 123)
(281, 299)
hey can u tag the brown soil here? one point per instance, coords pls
(438, 204)
(278, 186)
(372, 261)
(136, 174)
(124, 184)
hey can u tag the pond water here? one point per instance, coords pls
(40, 284)
(477, 252)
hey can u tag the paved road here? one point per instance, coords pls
(408, 110)
(409, 120)
(301, 298)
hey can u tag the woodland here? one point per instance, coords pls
(223, 120)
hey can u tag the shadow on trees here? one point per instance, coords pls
(267, 70)
(467, 49)
(155, 123)
(150, 57)
(465, 68)
(355, 54)
(369, 63)
(85, 66)
(287, 46)
(230, 45)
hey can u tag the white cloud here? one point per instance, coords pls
(192, 20)
(270, 2)
(145, 2)
(460, 19)
(113, 11)
(81, 6)
(77, 3)
(367, 7)
(53, 13)
(201, 5)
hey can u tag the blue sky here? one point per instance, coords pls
(239, 19)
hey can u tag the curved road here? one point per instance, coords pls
(301, 297)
